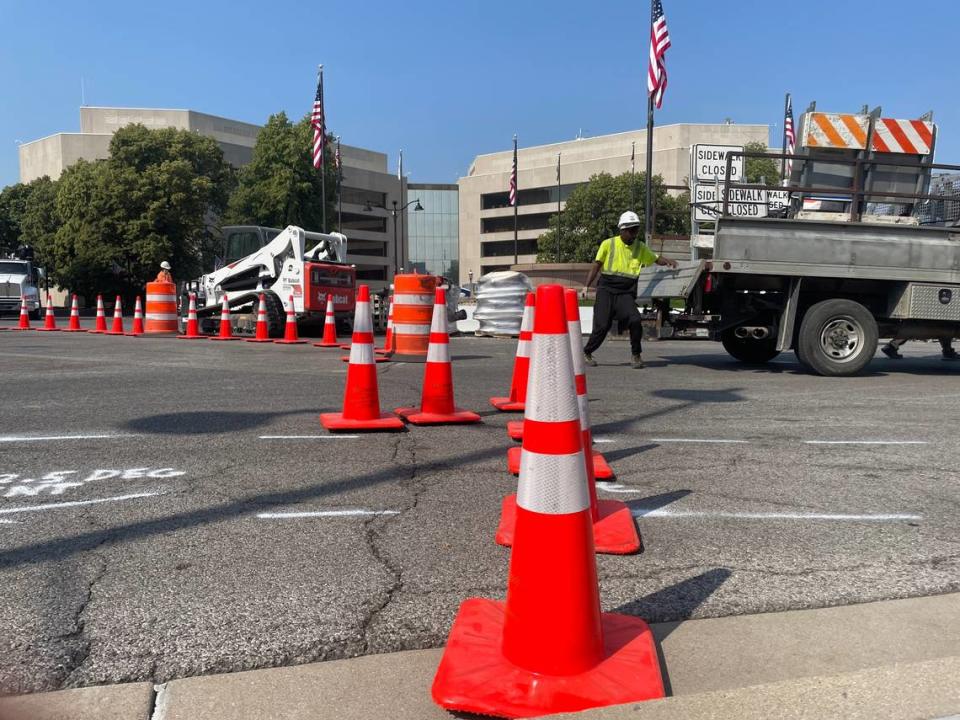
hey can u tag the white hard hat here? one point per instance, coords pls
(166, 266)
(629, 219)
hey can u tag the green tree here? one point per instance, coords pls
(13, 204)
(115, 220)
(756, 168)
(594, 208)
(39, 220)
(280, 186)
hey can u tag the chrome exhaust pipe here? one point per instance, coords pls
(741, 332)
(760, 333)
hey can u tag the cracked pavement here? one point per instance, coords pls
(171, 573)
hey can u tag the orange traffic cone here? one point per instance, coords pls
(226, 331)
(361, 400)
(290, 336)
(49, 319)
(614, 530)
(521, 364)
(263, 331)
(548, 648)
(388, 347)
(602, 470)
(117, 328)
(193, 326)
(101, 327)
(436, 403)
(137, 329)
(24, 315)
(329, 328)
(74, 325)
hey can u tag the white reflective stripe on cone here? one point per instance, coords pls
(363, 321)
(438, 352)
(552, 484)
(576, 350)
(523, 349)
(361, 354)
(439, 322)
(551, 395)
(583, 402)
(161, 298)
(408, 329)
(404, 299)
(161, 316)
(526, 322)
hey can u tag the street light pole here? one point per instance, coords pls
(397, 241)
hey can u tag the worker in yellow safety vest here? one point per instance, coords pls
(618, 263)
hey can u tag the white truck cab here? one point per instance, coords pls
(19, 279)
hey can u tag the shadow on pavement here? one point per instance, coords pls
(614, 455)
(655, 502)
(688, 399)
(675, 601)
(207, 422)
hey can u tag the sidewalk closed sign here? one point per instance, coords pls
(744, 202)
(710, 162)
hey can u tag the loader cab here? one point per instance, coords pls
(242, 240)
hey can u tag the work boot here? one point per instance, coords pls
(637, 362)
(588, 359)
(891, 352)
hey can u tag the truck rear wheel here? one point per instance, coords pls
(749, 350)
(837, 337)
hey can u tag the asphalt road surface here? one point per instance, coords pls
(174, 508)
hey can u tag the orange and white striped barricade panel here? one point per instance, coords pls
(161, 310)
(837, 131)
(910, 137)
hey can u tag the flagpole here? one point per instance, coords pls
(323, 146)
(783, 142)
(516, 202)
(633, 173)
(559, 231)
(339, 169)
(648, 207)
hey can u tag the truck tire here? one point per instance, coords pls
(749, 350)
(276, 315)
(837, 337)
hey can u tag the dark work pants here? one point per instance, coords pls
(621, 307)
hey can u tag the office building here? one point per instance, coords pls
(368, 194)
(486, 217)
(432, 234)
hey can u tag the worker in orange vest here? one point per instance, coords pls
(164, 275)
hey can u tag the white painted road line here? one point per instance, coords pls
(309, 437)
(75, 503)
(603, 440)
(865, 442)
(324, 513)
(697, 440)
(38, 438)
(656, 512)
(617, 488)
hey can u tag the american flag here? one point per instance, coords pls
(790, 137)
(319, 127)
(513, 176)
(659, 42)
(336, 157)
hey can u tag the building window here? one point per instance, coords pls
(367, 247)
(371, 274)
(536, 221)
(530, 196)
(500, 248)
(484, 269)
(357, 196)
(365, 223)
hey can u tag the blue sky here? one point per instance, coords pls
(449, 80)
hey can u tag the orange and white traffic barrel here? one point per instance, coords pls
(412, 315)
(161, 316)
